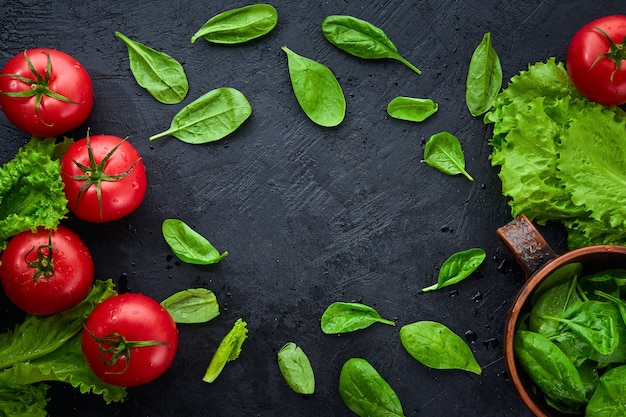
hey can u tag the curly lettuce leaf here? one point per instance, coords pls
(47, 349)
(37, 336)
(23, 400)
(592, 164)
(561, 157)
(31, 190)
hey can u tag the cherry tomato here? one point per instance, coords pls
(129, 340)
(45, 92)
(104, 177)
(594, 60)
(47, 271)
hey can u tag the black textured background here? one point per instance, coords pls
(309, 215)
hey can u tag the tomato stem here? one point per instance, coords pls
(616, 52)
(118, 347)
(93, 174)
(43, 265)
(39, 87)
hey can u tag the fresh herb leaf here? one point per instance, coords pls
(443, 152)
(317, 90)
(411, 109)
(549, 367)
(609, 396)
(228, 350)
(361, 38)
(239, 25)
(340, 317)
(484, 78)
(365, 392)
(160, 74)
(193, 305)
(188, 245)
(436, 346)
(31, 190)
(296, 368)
(458, 267)
(210, 117)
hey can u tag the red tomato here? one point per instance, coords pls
(129, 340)
(49, 99)
(47, 271)
(104, 177)
(594, 60)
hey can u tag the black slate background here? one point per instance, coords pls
(309, 215)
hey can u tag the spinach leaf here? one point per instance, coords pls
(160, 74)
(296, 368)
(443, 152)
(340, 317)
(458, 267)
(194, 305)
(554, 302)
(228, 350)
(596, 328)
(188, 245)
(484, 78)
(436, 346)
(239, 25)
(317, 90)
(361, 38)
(210, 117)
(609, 397)
(365, 392)
(411, 109)
(619, 303)
(549, 368)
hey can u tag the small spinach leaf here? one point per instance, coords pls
(340, 317)
(361, 38)
(228, 350)
(239, 25)
(458, 267)
(193, 305)
(436, 346)
(549, 367)
(188, 245)
(484, 78)
(443, 152)
(365, 392)
(296, 368)
(411, 109)
(609, 397)
(210, 117)
(317, 90)
(160, 74)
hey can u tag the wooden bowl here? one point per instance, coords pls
(539, 261)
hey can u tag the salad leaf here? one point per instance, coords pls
(341, 317)
(31, 190)
(228, 350)
(443, 151)
(188, 245)
(296, 368)
(560, 155)
(239, 25)
(160, 74)
(193, 305)
(47, 349)
(457, 267)
(484, 78)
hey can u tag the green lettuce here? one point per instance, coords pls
(47, 349)
(562, 157)
(31, 190)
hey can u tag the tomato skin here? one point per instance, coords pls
(137, 318)
(119, 197)
(70, 283)
(67, 77)
(598, 79)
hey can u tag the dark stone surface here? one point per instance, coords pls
(309, 215)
